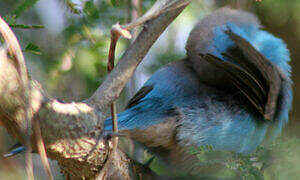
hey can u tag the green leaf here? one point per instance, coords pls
(72, 6)
(32, 48)
(23, 26)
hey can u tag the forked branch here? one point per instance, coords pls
(71, 131)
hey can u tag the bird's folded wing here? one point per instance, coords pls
(252, 73)
(139, 95)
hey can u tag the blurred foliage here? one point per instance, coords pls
(72, 6)
(278, 160)
(71, 63)
(79, 53)
(23, 6)
(32, 48)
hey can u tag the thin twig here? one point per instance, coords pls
(41, 148)
(28, 155)
(116, 32)
(115, 35)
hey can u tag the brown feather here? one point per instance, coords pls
(139, 95)
(267, 69)
(252, 73)
(241, 79)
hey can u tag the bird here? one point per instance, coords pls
(232, 91)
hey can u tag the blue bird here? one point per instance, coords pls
(232, 91)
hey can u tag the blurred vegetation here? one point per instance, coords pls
(66, 45)
(278, 160)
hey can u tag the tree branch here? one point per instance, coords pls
(116, 80)
(71, 131)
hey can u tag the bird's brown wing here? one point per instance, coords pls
(252, 73)
(139, 95)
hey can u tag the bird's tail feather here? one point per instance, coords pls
(15, 149)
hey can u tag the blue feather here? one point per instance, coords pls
(270, 46)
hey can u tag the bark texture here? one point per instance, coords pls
(73, 132)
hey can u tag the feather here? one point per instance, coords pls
(252, 73)
(15, 149)
(138, 96)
